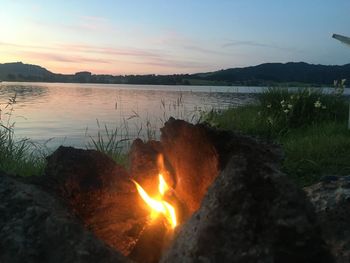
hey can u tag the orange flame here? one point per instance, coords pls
(157, 204)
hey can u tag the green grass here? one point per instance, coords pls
(316, 150)
(20, 157)
(314, 144)
(111, 142)
(245, 119)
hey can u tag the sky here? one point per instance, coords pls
(166, 37)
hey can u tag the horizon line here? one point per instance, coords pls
(157, 74)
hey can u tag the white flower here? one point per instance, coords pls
(343, 81)
(282, 102)
(290, 106)
(317, 104)
(268, 105)
(286, 111)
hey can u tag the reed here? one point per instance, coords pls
(20, 156)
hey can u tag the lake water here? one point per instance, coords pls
(66, 114)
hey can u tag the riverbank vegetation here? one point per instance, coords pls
(310, 126)
(20, 156)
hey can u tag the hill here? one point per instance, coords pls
(291, 73)
(269, 73)
(20, 71)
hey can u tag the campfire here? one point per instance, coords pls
(196, 193)
(157, 203)
(171, 178)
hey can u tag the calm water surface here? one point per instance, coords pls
(66, 114)
(61, 113)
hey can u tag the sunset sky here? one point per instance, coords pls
(161, 37)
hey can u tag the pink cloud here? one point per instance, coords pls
(77, 56)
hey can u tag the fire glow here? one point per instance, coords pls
(157, 204)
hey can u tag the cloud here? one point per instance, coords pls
(173, 38)
(237, 43)
(67, 58)
(72, 55)
(82, 49)
(134, 52)
(203, 50)
(172, 63)
(94, 24)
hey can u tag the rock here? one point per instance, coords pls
(251, 213)
(36, 227)
(143, 164)
(331, 199)
(228, 143)
(193, 157)
(151, 243)
(100, 192)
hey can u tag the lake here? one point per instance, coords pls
(68, 114)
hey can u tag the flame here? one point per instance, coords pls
(162, 187)
(157, 204)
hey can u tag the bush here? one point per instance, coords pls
(283, 110)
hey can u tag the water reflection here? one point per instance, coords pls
(28, 93)
(69, 112)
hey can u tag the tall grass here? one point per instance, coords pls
(310, 126)
(21, 157)
(116, 141)
(113, 142)
(285, 109)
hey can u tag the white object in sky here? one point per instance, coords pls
(343, 39)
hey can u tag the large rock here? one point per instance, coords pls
(100, 192)
(193, 158)
(35, 227)
(144, 160)
(331, 199)
(251, 213)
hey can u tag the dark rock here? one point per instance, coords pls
(251, 213)
(193, 158)
(331, 199)
(35, 227)
(100, 193)
(144, 167)
(151, 243)
(228, 143)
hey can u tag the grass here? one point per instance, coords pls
(316, 141)
(112, 142)
(313, 133)
(316, 150)
(18, 157)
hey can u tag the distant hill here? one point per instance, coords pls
(18, 70)
(291, 73)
